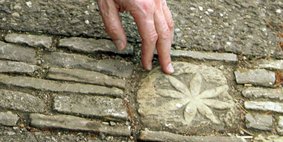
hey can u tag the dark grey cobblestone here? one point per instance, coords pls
(55, 86)
(20, 101)
(17, 67)
(90, 45)
(77, 123)
(91, 106)
(259, 121)
(85, 76)
(31, 40)
(17, 53)
(8, 118)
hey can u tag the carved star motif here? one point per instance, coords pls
(192, 100)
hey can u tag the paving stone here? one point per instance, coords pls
(17, 67)
(280, 125)
(271, 138)
(256, 77)
(264, 106)
(91, 45)
(91, 105)
(111, 67)
(15, 134)
(20, 101)
(259, 121)
(271, 64)
(255, 92)
(77, 123)
(17, 53)
(85, 76)
(31, 40)
(228, 57)
(170, 137)
(56, 86)
(8, 118)
(194, 99)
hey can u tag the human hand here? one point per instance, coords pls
(155, 26)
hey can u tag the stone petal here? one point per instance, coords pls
(177, 84)
(170, 93)
(190, 113)
(207, 112)
(173, 105)
(195, 84)
(211, 93)
(217, 104)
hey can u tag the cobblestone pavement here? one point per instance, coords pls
(78, 89)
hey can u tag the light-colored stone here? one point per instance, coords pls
(17, 53)
(85, 76)
(48, 85)
(31, 40)
(228, 57)
(193, 99)
(271, 64)
(260, 77)
(271, 138)
(170, 137)
(17, 67)
(280, 125)
(259, 121)
(111, 67)
(8, 118)
(264, 106)
(20, 101)
(91, 45)
(77, 123)
(91, 106)
(254, 92)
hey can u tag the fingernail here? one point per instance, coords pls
(170, 68)
(119, 44)
(149, 67)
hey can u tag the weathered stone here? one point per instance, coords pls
(17, 53)
(264, 106)
(271, 64)
(111, 67)
(254, 92)
(8, 118)
(31, 40)
(17, 67)
(55, 86)
(91, 105)
(271, 138)
(76, 123)
(21, 101)
(280, 125)
(259, 121)
(194, 99)
(228, 57)
(91, 45)
(85, 76)
(8, 134)
(170, 137)
(256, 77)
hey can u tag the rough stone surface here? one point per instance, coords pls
(55, 86)
(193, 99)
(259, 121)
(85, 76)
(90, 45)
(280, 125)
(256, 77)
(254, 92)
(31, 40)
(91, 106)
(8, 118)
(234, 26)
(15, 134)
(271, 64)
(21, 101)
(264, 106)
(76, 123)
(170, 137)
(111, 67)
(228, 57)
(17, 67)
(17, 53)
(270, 138)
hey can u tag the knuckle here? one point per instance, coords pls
(171, 25)
(165, 34)
(151, 38)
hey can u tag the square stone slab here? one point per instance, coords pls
(193, 100)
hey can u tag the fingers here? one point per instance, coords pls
(112, 22)
(164, 27)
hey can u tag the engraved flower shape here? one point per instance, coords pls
(193, 100)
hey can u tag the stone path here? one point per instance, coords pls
(82, 89)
